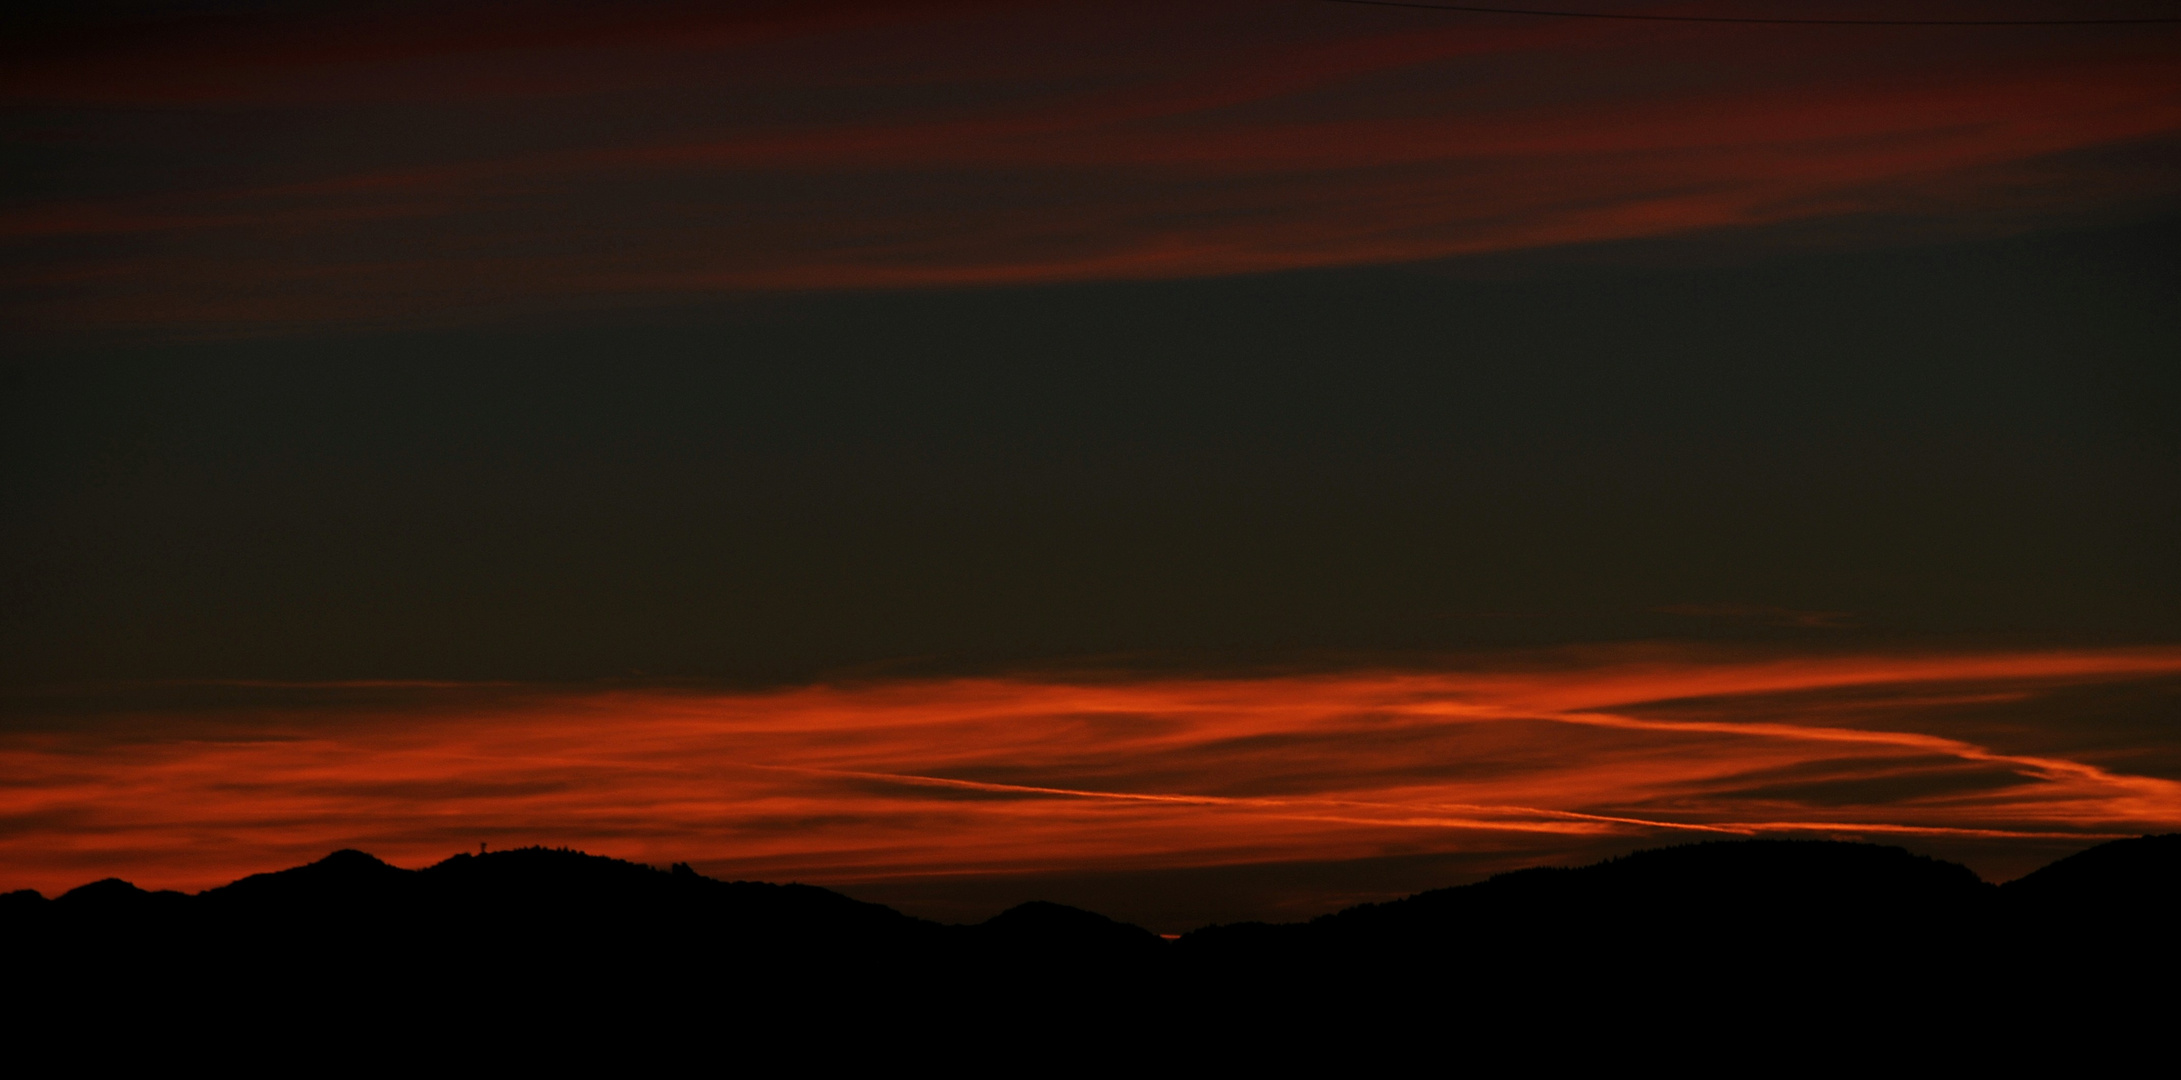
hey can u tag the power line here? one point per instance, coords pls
(1757, 21)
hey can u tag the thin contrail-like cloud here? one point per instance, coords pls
(916, 778)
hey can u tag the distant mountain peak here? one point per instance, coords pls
(347, 858)
(102, 889)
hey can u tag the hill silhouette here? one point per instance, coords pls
(1757, 936)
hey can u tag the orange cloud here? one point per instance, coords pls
(992, 776)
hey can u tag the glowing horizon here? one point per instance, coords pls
(921, 778)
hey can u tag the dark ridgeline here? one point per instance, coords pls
(1842, 947)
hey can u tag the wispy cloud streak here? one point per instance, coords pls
(640, 152)
(896, 780)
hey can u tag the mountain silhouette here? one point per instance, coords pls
(2125, 877)
(1756, 940)
(1673, 912)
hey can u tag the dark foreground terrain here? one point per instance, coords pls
(1835, 950)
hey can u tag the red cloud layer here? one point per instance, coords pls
(400, 165)
(914, 779)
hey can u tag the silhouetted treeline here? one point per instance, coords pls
(1733, 944)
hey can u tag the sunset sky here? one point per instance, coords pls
(1197, 461)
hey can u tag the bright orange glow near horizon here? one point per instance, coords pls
(982, 776)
